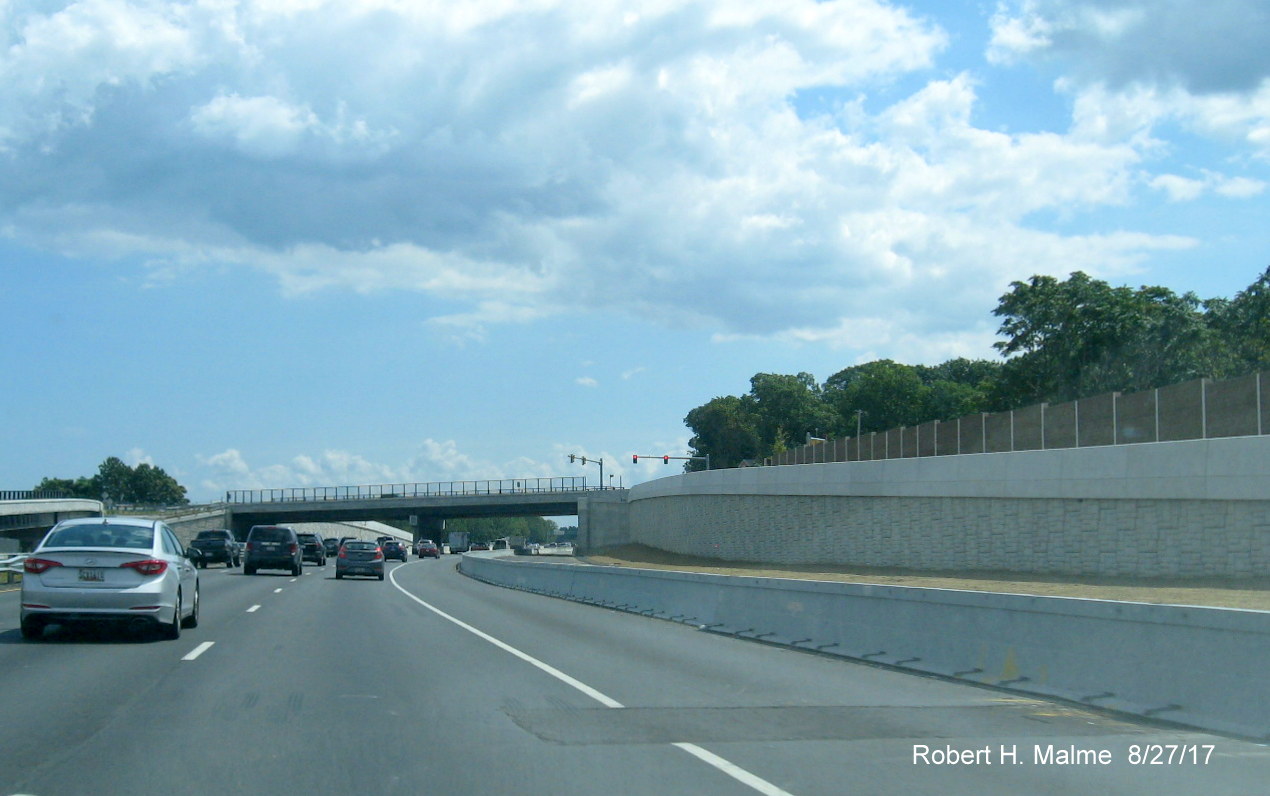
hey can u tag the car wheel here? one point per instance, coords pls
(249, 570)
(192, 619)
(172, 631)
(381, 576)
(32, 628)
(295, 570)
(339, 575)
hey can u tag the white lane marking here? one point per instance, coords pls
(253, 609)
(199, 650)
(732, 770)
(275, 591)
(722, 764)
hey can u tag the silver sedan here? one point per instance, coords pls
(110, 569)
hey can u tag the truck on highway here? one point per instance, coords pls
(460, 541)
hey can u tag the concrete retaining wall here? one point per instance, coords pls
(1203, 667)
(1189, 508)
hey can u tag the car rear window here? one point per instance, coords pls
(270, 534)
(361, 545)
(212, 535)
(129, 536)
(307, 537)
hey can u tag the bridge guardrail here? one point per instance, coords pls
(504, 486)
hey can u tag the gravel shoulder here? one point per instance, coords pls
(1249, 593)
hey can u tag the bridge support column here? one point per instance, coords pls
(430, 528)
(603, 520)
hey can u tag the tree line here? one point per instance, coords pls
(1062, 340)
(119, 483)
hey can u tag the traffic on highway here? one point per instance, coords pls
(446, 685)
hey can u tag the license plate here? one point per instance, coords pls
(94, 575)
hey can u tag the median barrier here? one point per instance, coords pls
(1198, 666)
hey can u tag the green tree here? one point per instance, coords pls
(123, 484)
(114, 479)
(1081, 336)
(1242, 325)
(887, 393)
(149, 484)
(726, 429)
(789, 408)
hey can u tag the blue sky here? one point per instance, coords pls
(298, 242)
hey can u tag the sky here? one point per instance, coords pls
(294, 243)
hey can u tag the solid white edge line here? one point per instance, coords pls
(199, 650)
(722, 764)
(253, 609)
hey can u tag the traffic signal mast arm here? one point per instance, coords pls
(665, 458)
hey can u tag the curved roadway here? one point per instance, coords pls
(433, 683)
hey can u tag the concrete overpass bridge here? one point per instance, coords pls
(26, 516)
(429, 504)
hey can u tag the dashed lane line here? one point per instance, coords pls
(199, 650)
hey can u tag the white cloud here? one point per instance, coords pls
(586, 381)
(521, 160)
(136, 456)
(1185, 189)
(432, 461)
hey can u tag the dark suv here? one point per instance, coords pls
(272, 547)
(217, 545)
(312, 548)
(394, 549)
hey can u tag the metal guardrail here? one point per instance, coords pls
(13, 563)
(506, 486)
(11, 566)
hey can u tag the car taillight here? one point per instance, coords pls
(252, 545)
(379, 554)
(293, 547)
(38, 566)
(151, 566)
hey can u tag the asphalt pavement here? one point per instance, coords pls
(433, 683)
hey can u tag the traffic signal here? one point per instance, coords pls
(584, 460)
(634, 458)
(571, 457)
(665, 460)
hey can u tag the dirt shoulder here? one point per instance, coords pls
(1251, 593)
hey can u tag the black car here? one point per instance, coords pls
(331, 546)
(216, 545)
(312, 548)
(273, 547)
(394, 549)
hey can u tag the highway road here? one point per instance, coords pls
(433, 683)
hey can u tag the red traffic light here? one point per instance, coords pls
(634, 458)
(665, 460)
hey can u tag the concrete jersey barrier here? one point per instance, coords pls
(1198, 666)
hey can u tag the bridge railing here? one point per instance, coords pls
(506, 486)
